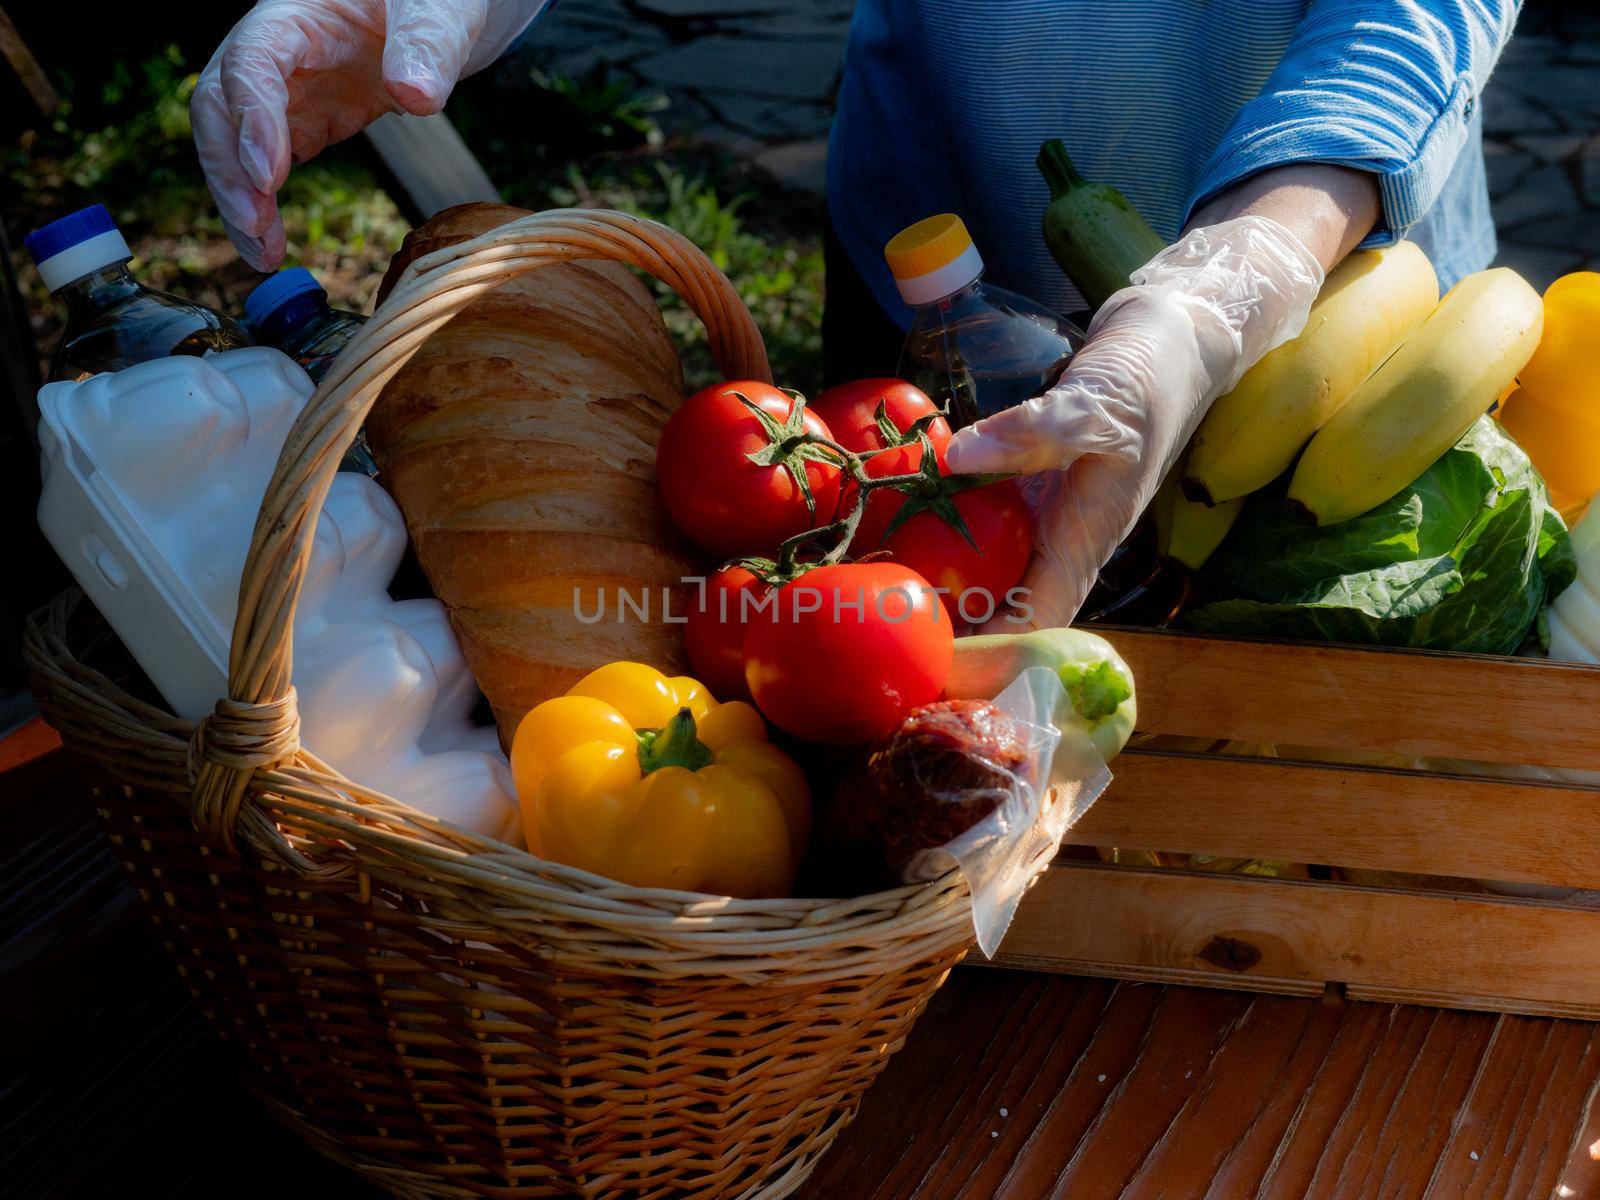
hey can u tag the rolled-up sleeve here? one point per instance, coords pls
(1386, 87)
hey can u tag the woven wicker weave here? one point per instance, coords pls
(445, 1014)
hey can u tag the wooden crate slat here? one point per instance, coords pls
(1411, 702)
(1461, 1000)
(1241, 931)
(1055, 965)
(1476, 828)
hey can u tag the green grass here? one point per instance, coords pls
(779, 278)
(126, 142)
(611, 152)
(546, 140)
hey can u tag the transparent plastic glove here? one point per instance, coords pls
(1094, 448)
(294, 76)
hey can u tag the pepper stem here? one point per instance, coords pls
(676, 744)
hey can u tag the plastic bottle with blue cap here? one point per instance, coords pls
(113, 320)
(290, 311)
(975, 348)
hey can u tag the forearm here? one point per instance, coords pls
(1329, 209)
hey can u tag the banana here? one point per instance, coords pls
(1186, 529)
(1368, 305)
(1198, 529)
(1418, 403)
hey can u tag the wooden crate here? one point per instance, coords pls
(1438, 943)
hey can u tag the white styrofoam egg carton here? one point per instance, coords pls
(152, 479)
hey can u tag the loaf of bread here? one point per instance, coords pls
(520, 442)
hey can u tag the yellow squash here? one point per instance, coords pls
(647, 780)
(1368, 305)
(1418, 404)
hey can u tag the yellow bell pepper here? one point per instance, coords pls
(648, 780)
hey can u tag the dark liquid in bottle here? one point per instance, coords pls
(983, 349)
(113, 322)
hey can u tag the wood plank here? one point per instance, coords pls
(1580, 1177)
(1410, 702)
(1042, 1036)
(1248, 1161)
(1008, 1043)
(1535, 1079)
(1383, 1111)
(1325, 1098)
(1230, 1096)
(1053, 964)
(1175, 1057)
(24, 746)
(1469, 1002)
(1096, 1075)
(1367, 817)
(1289, 1099)
(1522, 955)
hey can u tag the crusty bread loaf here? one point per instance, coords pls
(520, 443)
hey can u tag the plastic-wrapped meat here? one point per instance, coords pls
(947, 766)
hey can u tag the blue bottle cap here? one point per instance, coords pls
(272, 294)
(66, 232)
(76, 244)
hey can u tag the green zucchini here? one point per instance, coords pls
(1093, 232)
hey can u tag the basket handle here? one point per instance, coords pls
(258, 726)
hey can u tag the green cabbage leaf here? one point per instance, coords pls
(1466, 559)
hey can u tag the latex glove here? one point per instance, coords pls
(1095, 447)
(294, 76)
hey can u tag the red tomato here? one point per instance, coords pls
(847, 651)
(977, 579)
(714, 628)
(721, 500)
(851, 411)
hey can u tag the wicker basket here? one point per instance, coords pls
(445, 1014)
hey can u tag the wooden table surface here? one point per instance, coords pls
(1021, 1087)
(1013, 1086)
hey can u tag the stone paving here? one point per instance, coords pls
(1541, 116)
(761, 75)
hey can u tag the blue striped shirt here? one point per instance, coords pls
(945, 103)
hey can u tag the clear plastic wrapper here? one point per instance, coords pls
(1044, 778)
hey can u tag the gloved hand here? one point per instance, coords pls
(1095, 447)
(295, 75)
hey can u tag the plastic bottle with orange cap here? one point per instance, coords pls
(975, 348)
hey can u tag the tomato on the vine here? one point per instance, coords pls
(974, 576)
(851, 411)
(714, 629)
(735, 476)
(847, 650)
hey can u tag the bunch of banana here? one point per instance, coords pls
(1384, 378)
(1421, 400)
(1370, 303)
